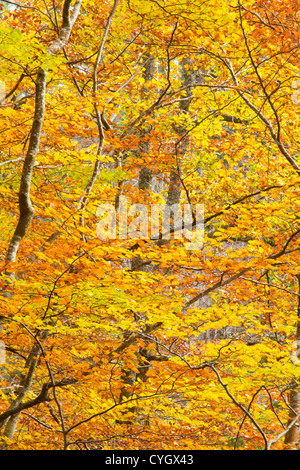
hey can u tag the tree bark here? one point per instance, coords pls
(25, 205)
(292, 436)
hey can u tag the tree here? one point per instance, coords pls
(136, 342)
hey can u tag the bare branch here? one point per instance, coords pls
(8, 162)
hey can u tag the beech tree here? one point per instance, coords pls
(138, 341)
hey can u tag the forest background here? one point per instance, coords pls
(136, 342)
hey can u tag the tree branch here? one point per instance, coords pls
(42, 397)
(222, 283)
(242, 407)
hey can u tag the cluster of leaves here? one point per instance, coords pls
(140, 343)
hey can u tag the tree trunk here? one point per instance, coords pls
(292, 436)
